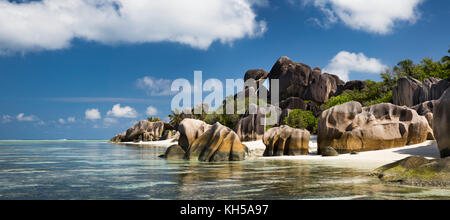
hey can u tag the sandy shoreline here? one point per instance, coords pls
(363, 160)
(163, 144)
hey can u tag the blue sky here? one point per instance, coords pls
(56, 65)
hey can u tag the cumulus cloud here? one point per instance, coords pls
(53, 24)
(93, 114)
(345, 62)
(71, 119)
(110, 121)
(68, 120)
(24, 118)
(151, 111)
(6, 119)
(154, 86)
(125, 112)
(374, 16)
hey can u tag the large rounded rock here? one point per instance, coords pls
(441, 123)
(142, 131)
(219, 143)
(174, 152)
(299, 80)
(259, 75)
(350, 127)
(251, 127)
(287, 141)
(329, 152)
(190, 130)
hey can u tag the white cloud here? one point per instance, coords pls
(110, 120)
(345, 62)
(154, 86)
(71, 119)
(61, 121)
(7, 119)
(93, 114)
(53, 24)
(151, 111)
(23, 118)
(374, 16)
(125, 112)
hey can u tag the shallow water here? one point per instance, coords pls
(99, 170)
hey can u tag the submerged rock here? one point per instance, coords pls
(174, 152)
(286, 141)
(416, 170)
(441, 123)
(350, 127)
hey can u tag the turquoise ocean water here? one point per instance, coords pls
(99, 170)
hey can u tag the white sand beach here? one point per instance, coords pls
(363, 160)
(165, 143)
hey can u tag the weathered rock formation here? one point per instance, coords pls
(441, 123)
(349, 127)
(416, 171)
(411, 92)
(190, 130)
(143, 131)
(259, 75)
(251, 127)
(299, 80)
(174, 152)
(219, 143)
(208, 143)
(297, 103)
(287, 141)
(329, 152)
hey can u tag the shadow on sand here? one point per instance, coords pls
(429, 149)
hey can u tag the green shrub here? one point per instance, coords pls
(301, 119)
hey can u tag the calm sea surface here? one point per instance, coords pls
(99, 170)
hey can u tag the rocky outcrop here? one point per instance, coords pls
(299, 80)
(251, 127)
(424, 107)
(259, 75)
(190, 130)
(441, 123)
(219, 143)
(297, 103)
(143, 131)
(439, 88)
(355, 85)
(287, 141)
(350, 127)
(411, 92)
(208, 143)
(329, 152)
(416, 171)
(174, 152)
